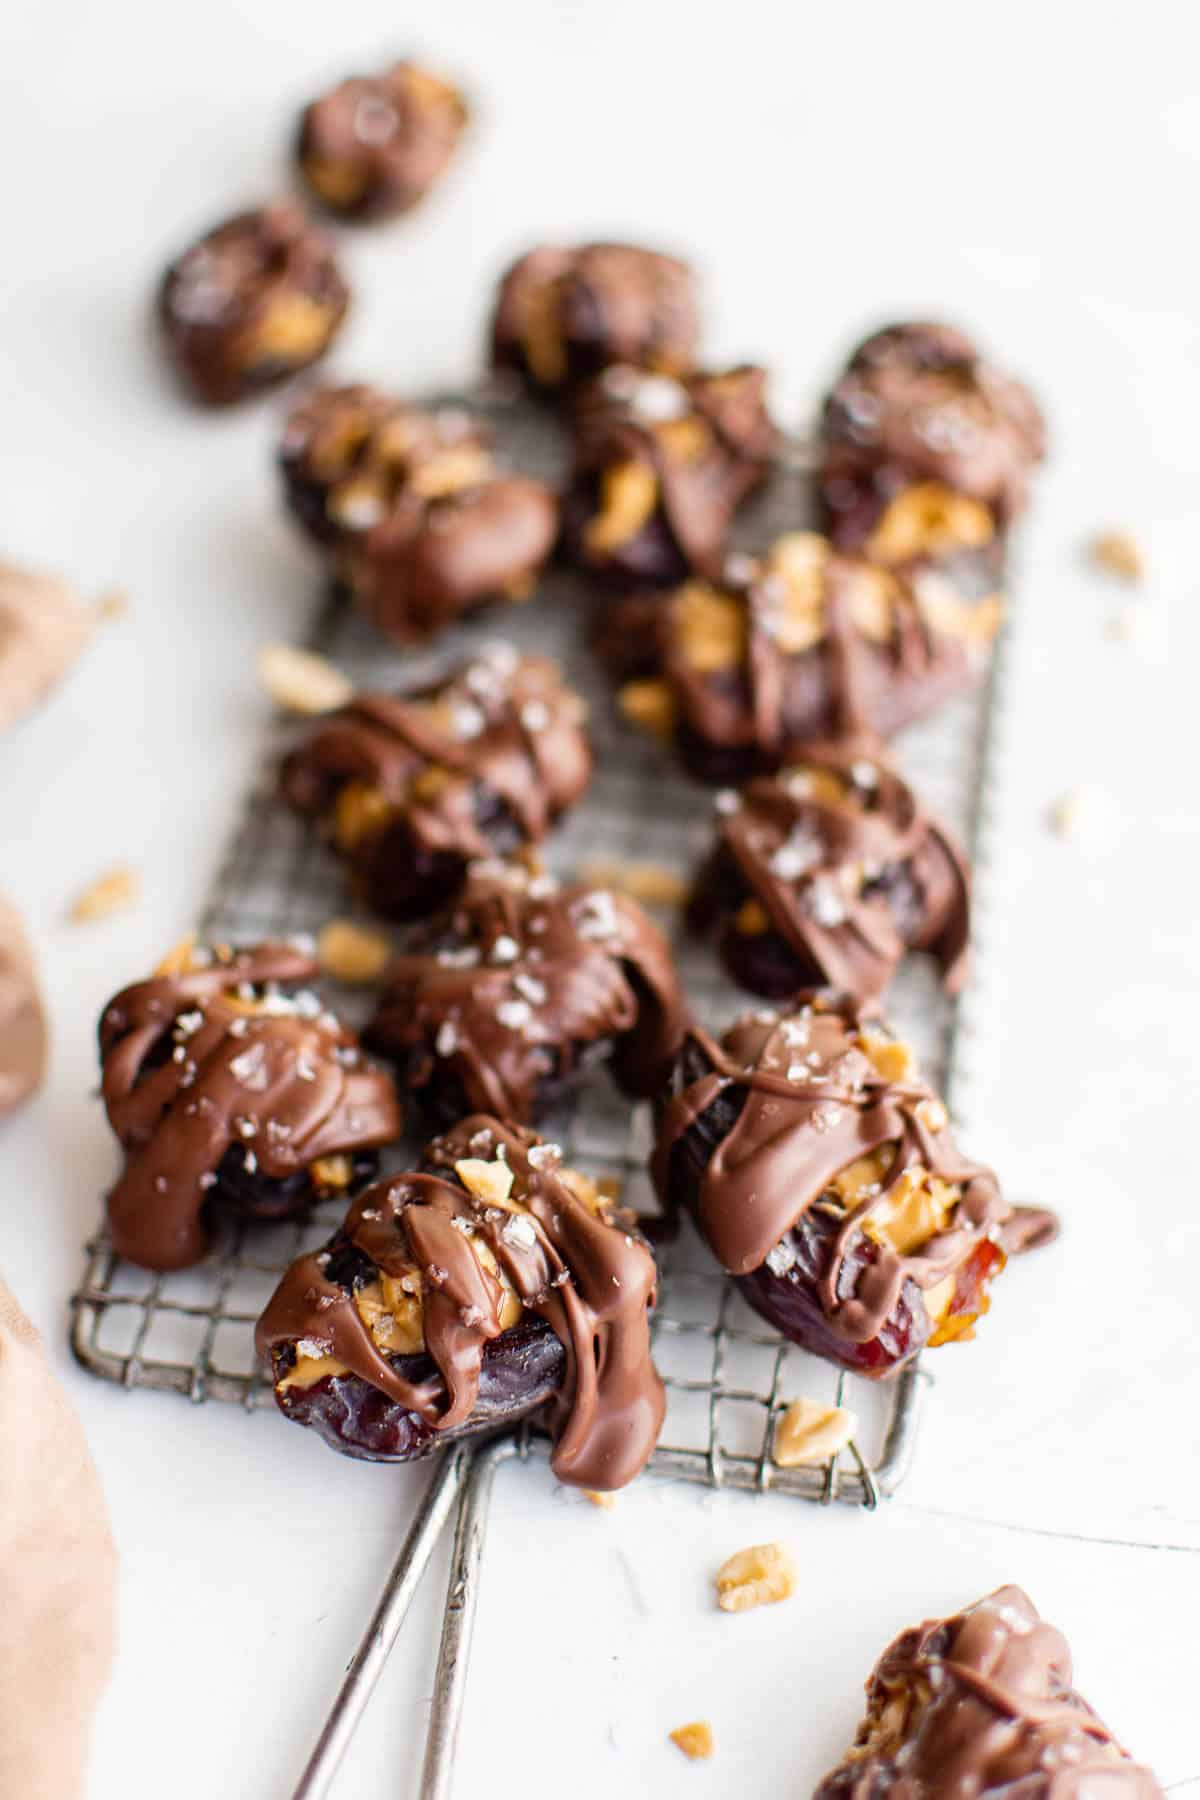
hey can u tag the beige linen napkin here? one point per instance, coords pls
(57, 1575)
(43, 628)
(22, 1021)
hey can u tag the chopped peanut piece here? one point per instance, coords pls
(450, 472)
(695, 1740)
(116, 604)
(758, 1576)
(605, 1501)
(333, 1172)
(1073, 811)
(294, 326)
(1119, 553)
(112, 893)
(490, 1182)
(300, 681)
(650, 883)
(650, 705)
(353, 953)
(713, 631)
(808, 1433)
(628, 497)
(929, 520)
(751, 919)
(178, 960)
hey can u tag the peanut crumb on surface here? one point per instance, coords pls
(353, 953)
(605, 1501)
(760, 1575)
(1073, 812)
(1119, 553)
(650, 883)
(695, 1740)
(115, 604)
(300, 681)
(115, 892)
(808, 1433)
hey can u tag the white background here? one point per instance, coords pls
(1030, 171)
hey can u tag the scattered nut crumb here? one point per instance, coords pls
(695, 1740)
(1119, 553)
(1073, 811)
(300, 681)
(1130, 621)
(757, 1576)
(353, 953)
(649, 883)
(607, 1501)
(809, 1433)
(116, 604)
(112, 893)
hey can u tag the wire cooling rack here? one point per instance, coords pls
(728, 1377)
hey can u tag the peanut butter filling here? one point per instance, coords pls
(628, 498)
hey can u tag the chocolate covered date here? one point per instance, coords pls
(822, 1173)
(983, 1703)
(230, 1086)
(409, 790)
(251, 303)
(374, 145)
(926, 450)
(489, 1284)
(501, 1002)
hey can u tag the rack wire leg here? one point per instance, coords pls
(375, 1647)
(462, 1598)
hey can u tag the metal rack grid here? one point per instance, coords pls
(727, 1375)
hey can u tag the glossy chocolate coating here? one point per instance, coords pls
(581, 1283)
(979, 1704)
(704, 441)
(478, 763)
(562, 315)
(840, 870)
(252, 302)
(799, 646)
(503, 1000)
(223, 1083)
(422, 524)
(918, 403)
(760, 1125)
(374, 145)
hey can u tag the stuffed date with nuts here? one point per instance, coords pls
(251, 303)
(504, 1000)
(983, 1703)
(375, 145)
(563, 315)
(827, 873)
(489, 1285)
(926, 451)
(411, 789)
(232, 1088)
(661, 466)
(420, 523)
(821, 1171)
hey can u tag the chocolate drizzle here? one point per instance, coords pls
(575, 1266)
(214, 1057)
(502, 999)
(810, 1103)
(480, 761)
(562, 315)
(918, 403)
(983, 1703)
(706, 439)
(805, 645)
(846, 870)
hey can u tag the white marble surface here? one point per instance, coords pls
(1034, 177)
